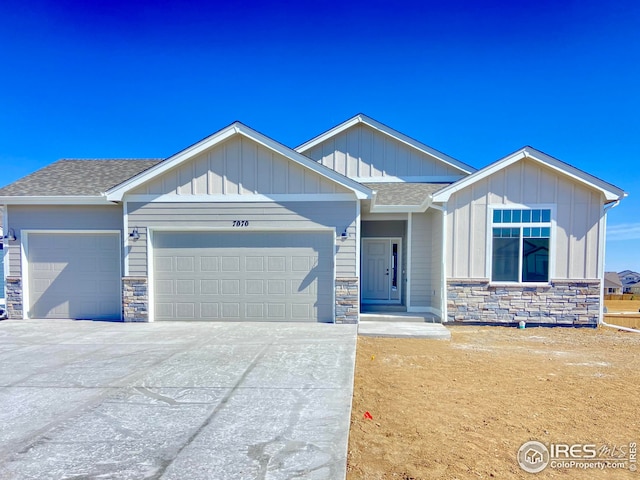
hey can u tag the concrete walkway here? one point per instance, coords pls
(399, 329)
(174, 400)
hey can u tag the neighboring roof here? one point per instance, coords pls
(401, 137)
(77, 178)
(610, 192)
(117, 192)
(403, 193)
(611, 280)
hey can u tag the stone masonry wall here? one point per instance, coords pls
(15, 307)
(563, 302)
(135, 299)
(347, 298)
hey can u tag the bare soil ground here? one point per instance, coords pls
(462, 408)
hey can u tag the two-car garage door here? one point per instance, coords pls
(253, 276)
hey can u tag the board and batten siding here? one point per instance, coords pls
(239, 166)
(361, 151)
(290, 216)
(575, 239)
(58, 217)
(426, 265)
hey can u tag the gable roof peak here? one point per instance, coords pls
(388, 131)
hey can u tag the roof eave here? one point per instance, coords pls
(55, 200)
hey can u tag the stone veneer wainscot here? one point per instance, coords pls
(14, 300)
(347, 300)
(562, 302)
(135, 299)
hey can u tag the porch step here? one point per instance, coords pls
(404, 329)
(398, 317)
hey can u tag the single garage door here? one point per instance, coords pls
(251, 276)
(74, 275)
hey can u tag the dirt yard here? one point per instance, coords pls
(462, 408)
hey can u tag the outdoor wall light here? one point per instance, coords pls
(11, 235)
(134, 235)
(343, 236)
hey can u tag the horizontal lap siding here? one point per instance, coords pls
(59, 217)
(435, 264)
(426, 245)
(289, 216)
(528, 183)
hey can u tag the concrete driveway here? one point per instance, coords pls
(172, 400)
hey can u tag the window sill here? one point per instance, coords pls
(519, 284)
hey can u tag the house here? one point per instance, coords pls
(633, 288)
(612, 283)
(241, 227)
(629, 279)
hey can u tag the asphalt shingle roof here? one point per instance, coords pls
(403, 193)
(77, 177)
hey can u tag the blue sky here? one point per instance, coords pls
(474, 79)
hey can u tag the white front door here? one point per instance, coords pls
(381, 270)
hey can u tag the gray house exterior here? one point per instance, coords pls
(239, 227)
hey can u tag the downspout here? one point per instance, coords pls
(443, 263)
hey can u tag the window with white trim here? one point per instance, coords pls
(520, 245)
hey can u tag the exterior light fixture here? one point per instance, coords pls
(11, 235)
(343, 236)
(134, 235)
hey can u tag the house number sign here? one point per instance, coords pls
(241, 223)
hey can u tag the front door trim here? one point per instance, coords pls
(393, 296)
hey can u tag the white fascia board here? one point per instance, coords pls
(370, 122)
(56, 200)
(411, 179)
(610, 192)
(401, 208)
(117, 193)
(250, 198)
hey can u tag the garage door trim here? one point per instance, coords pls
(24, 255)
(150, 252)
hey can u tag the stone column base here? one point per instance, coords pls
(135, 299)
(15, 307)
(347, 300)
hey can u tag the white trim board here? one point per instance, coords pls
(251, 198)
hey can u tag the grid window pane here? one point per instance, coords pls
(536, 216)
(516, 215)
(546, 215)
(497, 216)
(535, 260)
(505, 259)
(546, 232)
(526, 216)
(506, 216)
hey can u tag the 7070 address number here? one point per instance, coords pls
(241, 223)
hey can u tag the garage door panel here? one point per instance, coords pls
(74, 275)
(274, 276)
